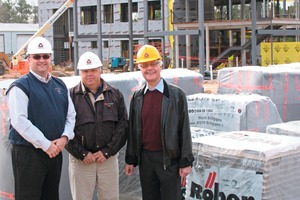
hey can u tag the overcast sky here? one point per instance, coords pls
(32, 2)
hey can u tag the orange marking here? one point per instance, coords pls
(7, 195)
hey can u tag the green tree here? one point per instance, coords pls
(35, 17)
(17, 12)
(23, 11)
(7, 12)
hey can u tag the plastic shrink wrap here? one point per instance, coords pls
(281, 84)
(190, 81)
(232, 112)
(245, 165)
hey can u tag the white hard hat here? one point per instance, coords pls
(89, 60)
(39, 45)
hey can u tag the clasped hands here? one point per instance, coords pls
(57, 146)
(94, 157)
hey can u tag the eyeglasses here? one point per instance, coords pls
(37, 57)
(152, 64)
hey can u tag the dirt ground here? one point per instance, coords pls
(210, 86)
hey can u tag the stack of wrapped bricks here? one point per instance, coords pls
(281, 84)
(244, 165)
(232, 112)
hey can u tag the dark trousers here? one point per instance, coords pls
(36, 175)
(159, 183)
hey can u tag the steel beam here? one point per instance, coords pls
(278, 32)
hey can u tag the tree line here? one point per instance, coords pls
(18, 11)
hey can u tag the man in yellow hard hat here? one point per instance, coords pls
(159, 139)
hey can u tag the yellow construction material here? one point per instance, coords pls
(170, 24)
(279, 53)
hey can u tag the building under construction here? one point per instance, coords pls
(190, 33)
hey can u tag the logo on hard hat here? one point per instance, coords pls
(88, 62)
(146, 55)
(40, 45)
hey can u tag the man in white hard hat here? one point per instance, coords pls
(42, 121)
(100, 132)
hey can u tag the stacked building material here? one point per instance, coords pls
(232, 112)
(281, 84)
(6, 174)
(245, 165)
(197, 132)
(288, 128)
(128, 82)
(190, 81)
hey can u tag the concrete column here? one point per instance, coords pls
(207, 48)
(130, 31)
(201, 36)
(146, 25)
(99, 35)
(253, 34)
(230, 18)
(264, 9)
(242, 9)
(176, 46)
(243, 41)
(163, 44)
(188, 51)
(298, 17)
(76, 47)
(188, 38)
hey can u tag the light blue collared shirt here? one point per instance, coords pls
(159, 87)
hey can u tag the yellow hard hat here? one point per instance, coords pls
(147, 53)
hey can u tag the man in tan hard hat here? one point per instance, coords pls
(159, 138)
(42, 121)
(101, 121)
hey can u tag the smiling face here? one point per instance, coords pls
(40, 63)
(151, 72)
(91, 78)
